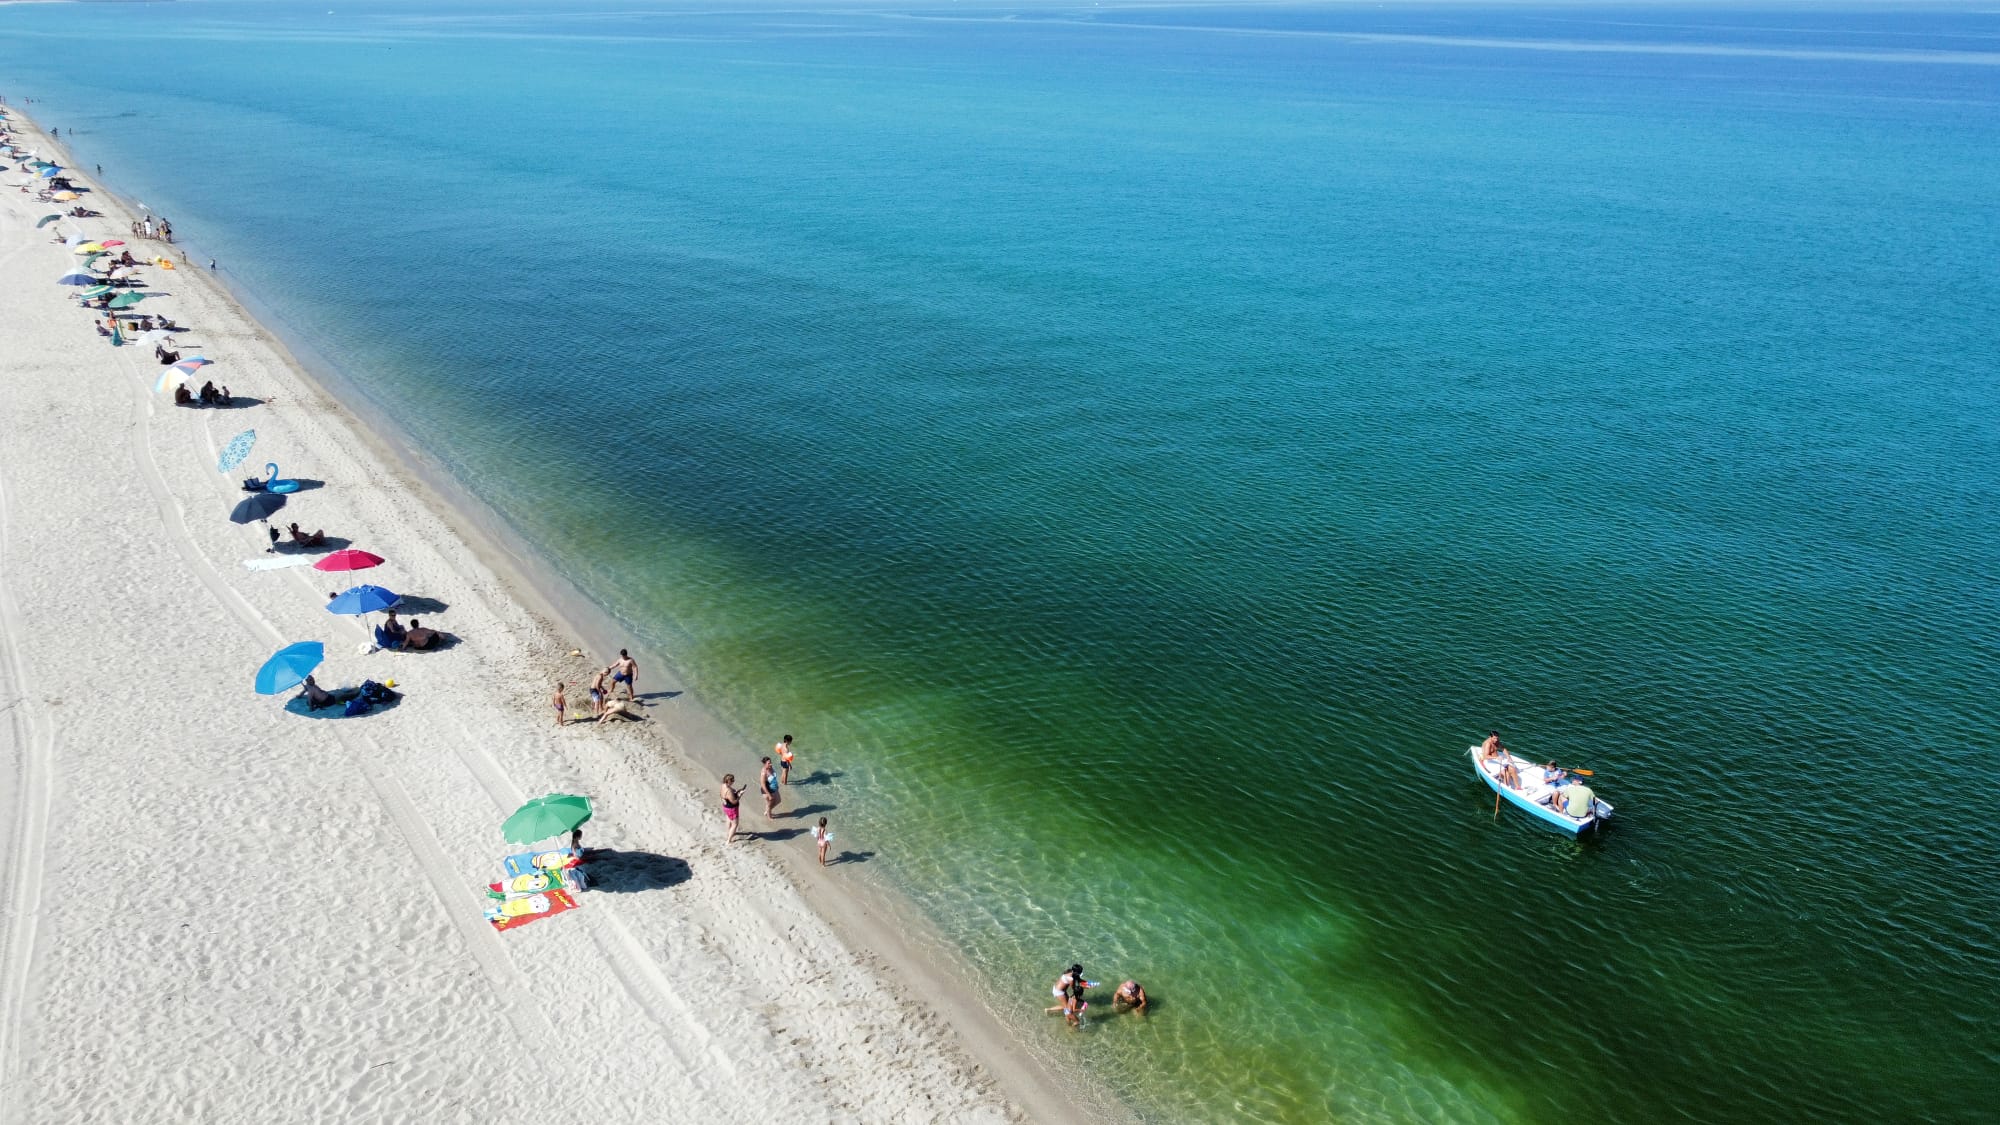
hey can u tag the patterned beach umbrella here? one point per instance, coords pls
(237, 449)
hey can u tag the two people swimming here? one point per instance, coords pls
(1070, 989)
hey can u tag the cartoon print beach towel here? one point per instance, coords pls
(527, 863)
(513, 913)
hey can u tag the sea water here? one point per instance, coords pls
(1137, 449)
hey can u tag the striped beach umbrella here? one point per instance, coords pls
(189, 366)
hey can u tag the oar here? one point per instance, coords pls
(1586, 773)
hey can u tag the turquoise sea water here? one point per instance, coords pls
(1137, 449)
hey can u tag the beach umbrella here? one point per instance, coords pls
(362, 599)
(64, 196)
(237, 449)
(192, 364)
(349, 559)
(49, 172)
(110, 242)
(127, 300)
(45, 220)
(79, 276)
(289, 667)
(547, 816)
(97, 291)
(258, 506)
(166, 381)
(154, 335)
(90, 248)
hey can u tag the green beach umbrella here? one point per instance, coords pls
(544, 817)
(98, 291)
(126, 300)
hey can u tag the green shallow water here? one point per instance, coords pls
(1136, 461)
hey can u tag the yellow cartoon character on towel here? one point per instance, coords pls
(502, 913)
(554, 860)
(529, 884)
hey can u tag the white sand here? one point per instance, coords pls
(215, 910)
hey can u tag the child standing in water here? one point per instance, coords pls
(784, 749)
(822, 837)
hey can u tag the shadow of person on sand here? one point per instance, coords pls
(819, 777)
(810, 810)
(851, 857)
(631, 872)
(779, 834)
(236, 402)
(333, 543)
(658, 694)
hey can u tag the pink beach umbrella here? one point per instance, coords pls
(349, 559)
(189, 366)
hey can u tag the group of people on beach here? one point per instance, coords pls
(604, 705)
(1070, 990)
(772, 777)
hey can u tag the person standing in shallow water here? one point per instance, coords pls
(768, 782)
(784, 751)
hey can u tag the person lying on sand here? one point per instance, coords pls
(301, 539)
(619, 709)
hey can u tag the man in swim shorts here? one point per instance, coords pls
(597, 694)
(622, 672)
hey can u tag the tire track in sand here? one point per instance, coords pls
(30, 737)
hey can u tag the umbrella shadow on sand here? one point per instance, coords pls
(632, 872)
(410, 603)
(338, 710)
(236, 402)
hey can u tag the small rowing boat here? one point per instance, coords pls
(1547, 795)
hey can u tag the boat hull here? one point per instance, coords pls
(1528, 802)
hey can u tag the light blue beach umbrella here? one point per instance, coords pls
(363, 599)
(289, 667)
(237, 449)
(50, 171)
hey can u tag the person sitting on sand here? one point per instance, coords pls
(183, 396)
(223, 397)
(316, 696)
(301, 539)
(419, 638)
(391, 634)
(1131, 996)
(165, 355)
(208, 392)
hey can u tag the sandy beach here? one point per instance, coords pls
(218, 910)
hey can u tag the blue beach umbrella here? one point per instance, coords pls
(289, 667)
(79, 277)
(363, 599)
(237, 449)
(50, 171)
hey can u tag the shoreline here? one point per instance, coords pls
(870, 921)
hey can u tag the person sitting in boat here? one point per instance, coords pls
(1574, 800)
(1491, 746)
(1510, 775)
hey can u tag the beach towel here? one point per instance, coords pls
(513, 913)
(529, 863)
(277, 563)
(515, 886)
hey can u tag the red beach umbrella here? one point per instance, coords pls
(349, 559)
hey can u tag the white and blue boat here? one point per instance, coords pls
(1550, 796)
